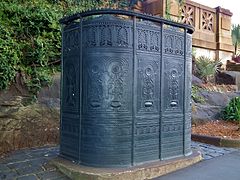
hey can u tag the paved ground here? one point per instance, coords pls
(219, 163)
(210, 151)
(225, 167)
(31, 164)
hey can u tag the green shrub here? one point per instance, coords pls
(30, 39)
(207, 68)
(232, 111)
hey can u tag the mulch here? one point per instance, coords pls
(218, 128)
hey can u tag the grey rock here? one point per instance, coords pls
(231, 95)
(196, 81)
(215, 98)
(205, 112)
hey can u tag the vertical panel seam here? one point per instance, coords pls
(80, 92)
(184, 94)
(61, 86)
(134, 87)
(160, 96)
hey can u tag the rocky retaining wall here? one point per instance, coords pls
(24, 124)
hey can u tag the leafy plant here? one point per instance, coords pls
(180, 4)
(118, 3)
(30, 39)
(232, 111)
(236, 37)
(207, 68)
(168, 9)
(195, 96)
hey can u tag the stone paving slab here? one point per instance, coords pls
(221, 168)
(210, 151)
(33, 164)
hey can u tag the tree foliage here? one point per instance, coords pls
(236, 37)
(169, 4)
(30, 37)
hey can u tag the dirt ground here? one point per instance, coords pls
(218, 128)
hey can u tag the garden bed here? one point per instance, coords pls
(218, 128)
(219, 133)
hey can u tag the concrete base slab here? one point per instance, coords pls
(140, 172)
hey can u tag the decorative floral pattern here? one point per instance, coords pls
(173, 78)
(142, 39)
(106, 84)
(122, 37)
(207, 21)
(188, 15)
(173, 44)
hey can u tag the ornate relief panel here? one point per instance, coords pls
(91, 36)
(118, 71)
(148, 37)
(148, 83)
(71, 38)
(122, 36)
(70, 84)
(173, 86)
(107, 84)
(142, 39)
(106, 35)
(95, 86)
(107, 31)
(71, 71)
(173, 41)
